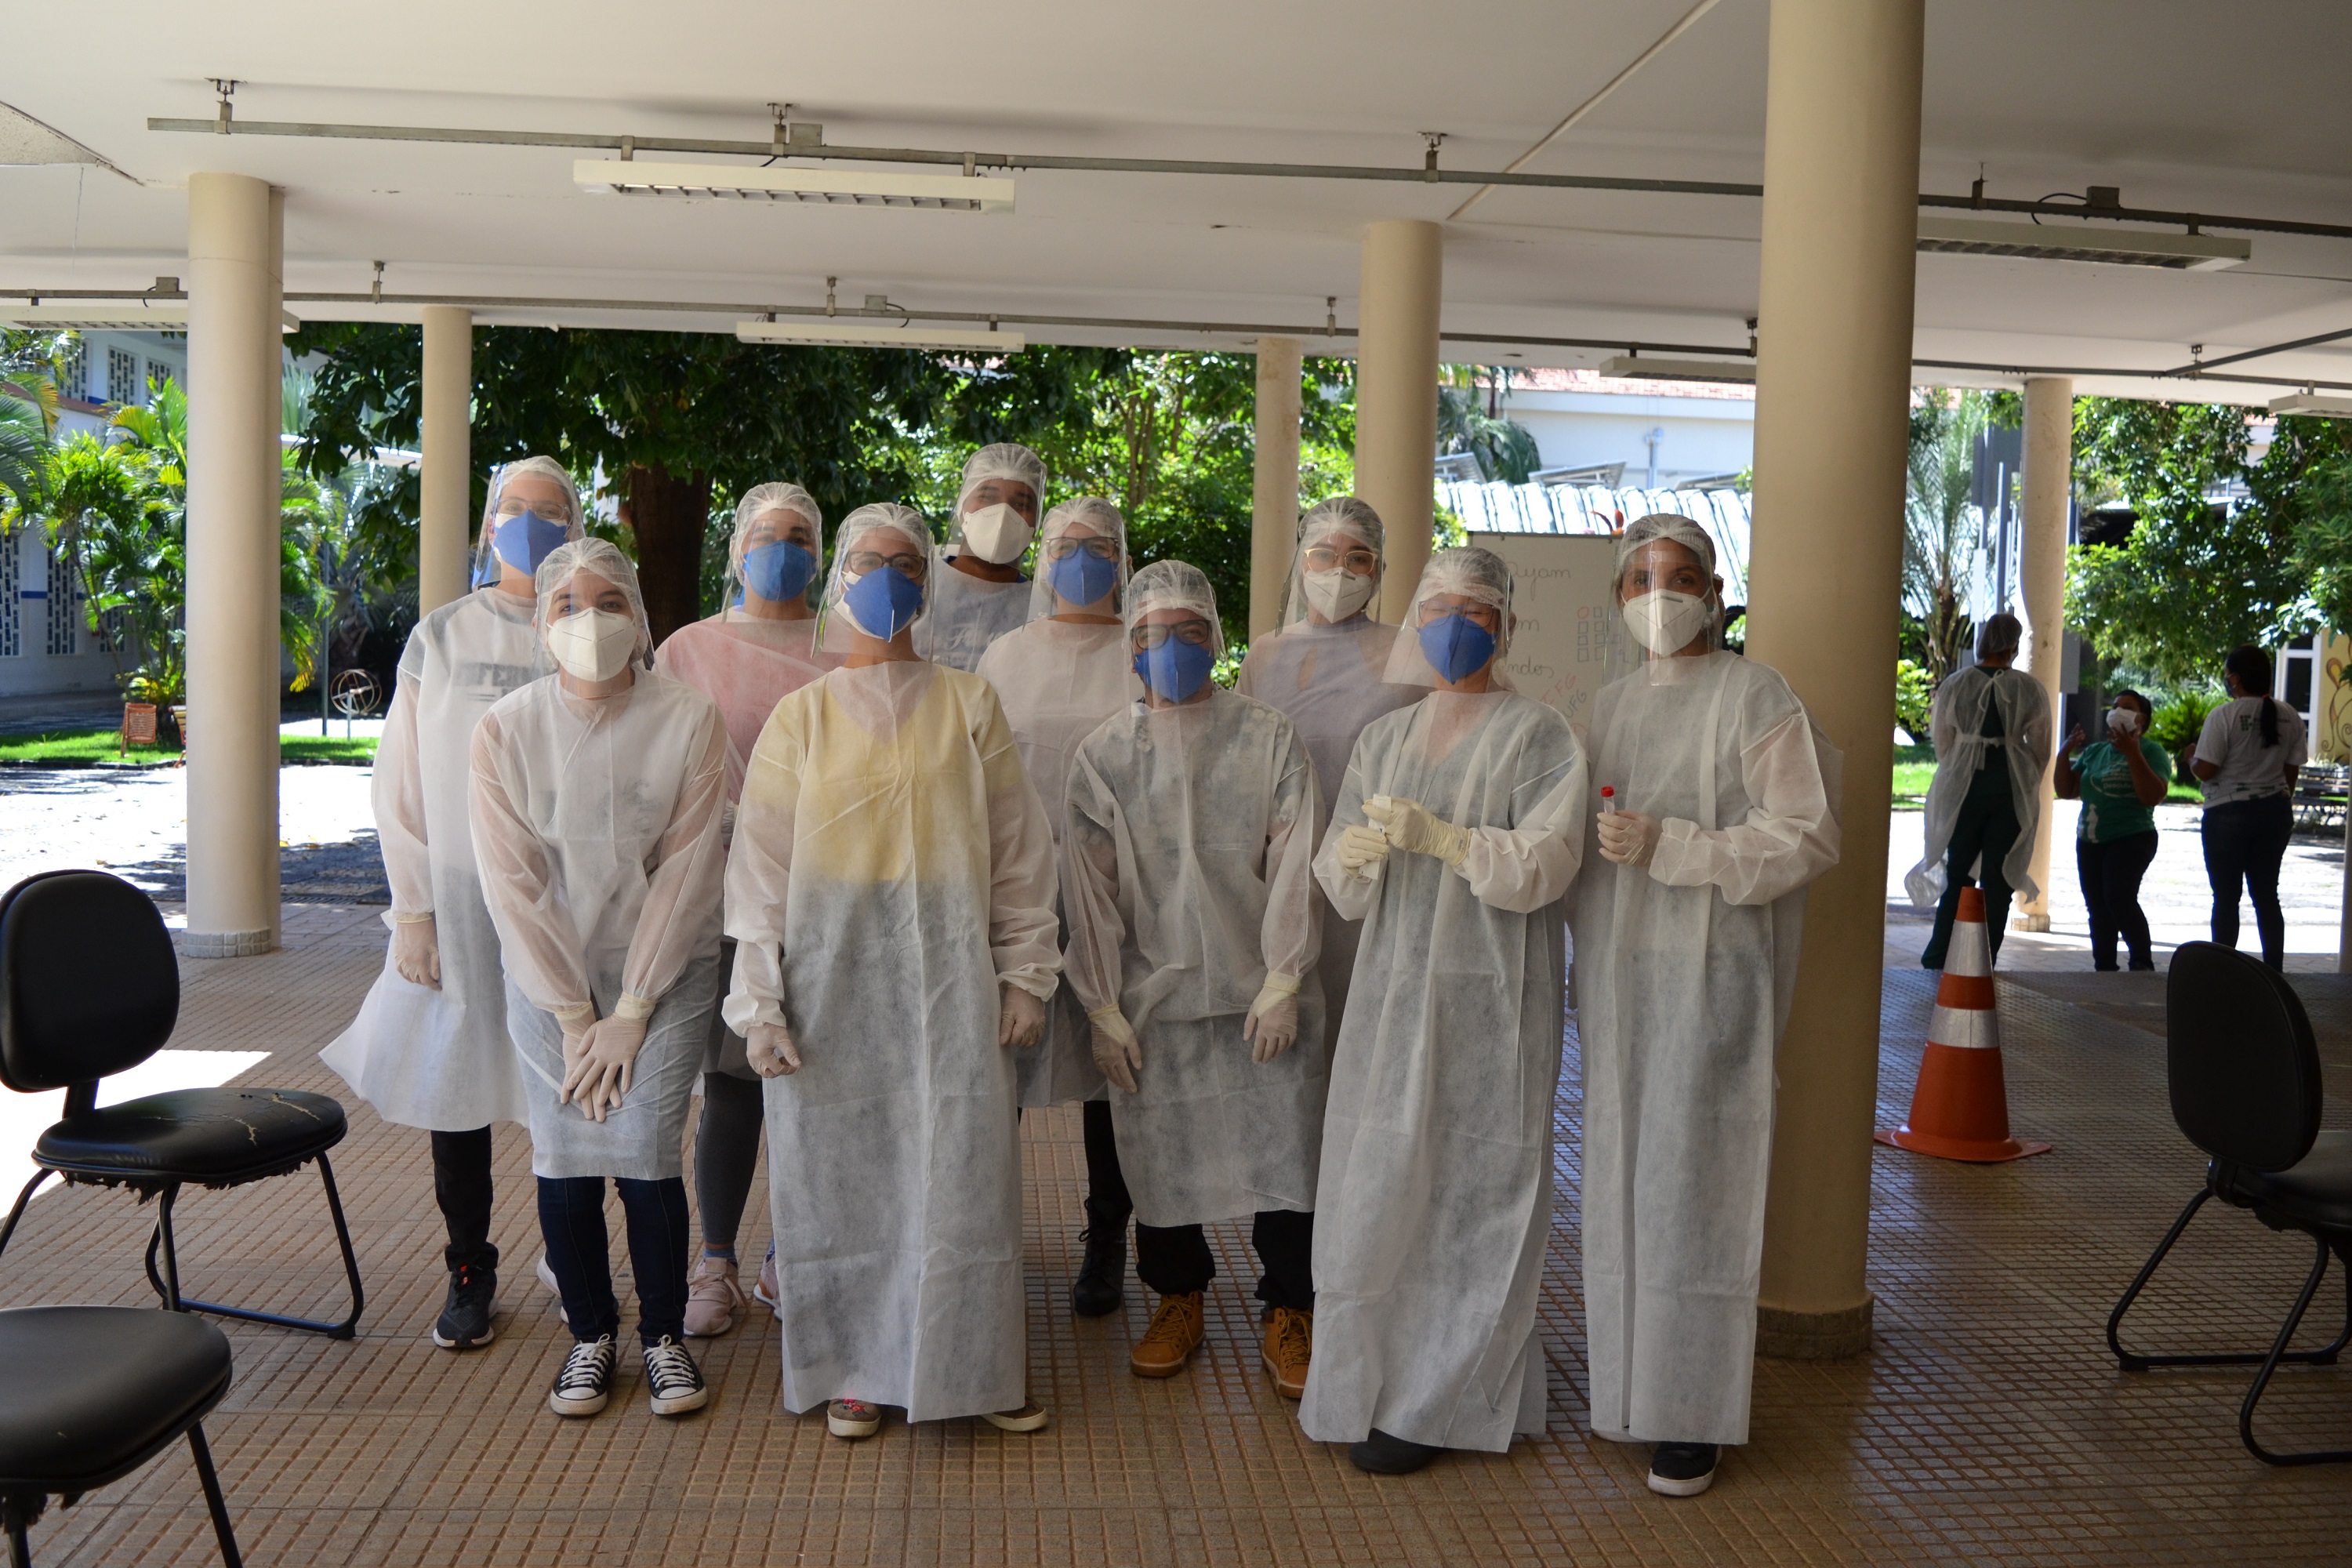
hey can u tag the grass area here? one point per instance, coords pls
(1915, 769)
(88, 748)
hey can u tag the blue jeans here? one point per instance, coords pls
(572, 1219)
(2244, 842)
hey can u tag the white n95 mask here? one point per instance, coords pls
(594, 644)
(1664, 621)
(1339, 592)
(997, 535)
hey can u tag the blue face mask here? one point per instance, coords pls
(778, 571)
(1175, 670)
(884, 603)
(1456, 647)
(523, 541)
(1081, 579)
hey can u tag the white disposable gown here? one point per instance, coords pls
(1057, 680)
(441, 1059)
(596, 826)
(1954, 727)
(891, 866)
(966, 614)
(1187, 873)
(1683, 973)
(1437, 1147)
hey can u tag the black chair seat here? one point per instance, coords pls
(194, 1134)
(2318, 1192)
(86, 1394)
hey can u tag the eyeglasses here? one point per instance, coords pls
(1063, 547)
(1484, 616)
(861, 561)
(515, 505)
(1323, 558)
(1193, 632)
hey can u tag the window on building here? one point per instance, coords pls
(159, 374)
(65, 606)
(12, 641)
(121, 377)
(73, 370)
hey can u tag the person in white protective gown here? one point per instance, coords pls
(1327, 668)
(1686, 923)
(596, 802)
(429, 1049)
(890, 891)
(1059, 677)
(1187, 881)
(977, 592)
(1454, 837)
(1992, 729)
(760, 646)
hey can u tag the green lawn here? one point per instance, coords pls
(1915, 769)
(86, 748)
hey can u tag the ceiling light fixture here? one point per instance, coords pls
(2311, 405)
(1642, 367)
(2081, 242)
(872, 335)
(820, 187)
(114, 316)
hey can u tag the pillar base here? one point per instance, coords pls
(1814, 1336)
(2030, 922)
(227, 944)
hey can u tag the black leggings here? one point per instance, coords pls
(2245, 840)
(726, 1153)
(2111, 873)
(461, 1185)
(572, 1219)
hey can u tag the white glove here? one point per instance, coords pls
(416, 951)
(1020, 1019)
(597, 1075)
(1628, 837)
(1117, 1050)
(1361, 849)
(1415, 828)
(770, 1049)
(1273, 1020)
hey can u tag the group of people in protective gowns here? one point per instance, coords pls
(906, 840)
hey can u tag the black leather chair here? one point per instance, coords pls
(89, 986)
(88, 1395)
(2244, 1075)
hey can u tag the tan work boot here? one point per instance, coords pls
(1289, 1345)
(1176, 1331)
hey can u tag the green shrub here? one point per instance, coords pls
(2177, 723)
(1915, 699)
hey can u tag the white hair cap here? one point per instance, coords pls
(597, 558)
(1175, 585)
(1004, 461)
(1683, 531)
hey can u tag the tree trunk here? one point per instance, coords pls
(668, 515)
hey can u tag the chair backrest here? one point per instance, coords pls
(89, 984)
(2240, 1057)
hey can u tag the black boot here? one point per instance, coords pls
(1100, 1288)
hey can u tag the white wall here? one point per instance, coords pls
(1703, 435)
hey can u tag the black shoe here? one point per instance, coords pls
(465, 1322)
(1382, 1455)
(1099, 1290)
(585, 1384)
(673, 1378)
(1682, 1469)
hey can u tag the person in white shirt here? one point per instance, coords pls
(2246, 762)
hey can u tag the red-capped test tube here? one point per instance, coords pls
(1608, 800)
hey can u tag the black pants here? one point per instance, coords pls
(2111, 873)
(1175, 1260)
(461, 1185)
(1105, 1183)
(571, 1218)
(2244, 842)
(1986, 825)
(726, 1153)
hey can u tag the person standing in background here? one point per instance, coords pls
(2120, 781)
(2247, 759)
(977, 592)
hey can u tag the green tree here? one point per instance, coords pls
(1504, 450)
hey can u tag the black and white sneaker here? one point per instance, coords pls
(672, 1379)
(585, 1384)
(465, 1322)
(1682, 1469)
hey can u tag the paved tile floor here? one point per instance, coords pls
(1988, 1424)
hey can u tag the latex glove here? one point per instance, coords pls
(771, 1051)
(417, 951)
(1273, 1021)
(1628, 837)
(1117, 1050)
(1361, 849)
(1020, 1019)
(1415, 828)
(598, 1080)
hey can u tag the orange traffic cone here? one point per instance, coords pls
(1960, 1108)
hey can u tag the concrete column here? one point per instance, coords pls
(2041, 582)
(1274, 491)
(1396, 395)
(235, 255)
(446, 473)
(1833, 376)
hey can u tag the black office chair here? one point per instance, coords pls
(2244, 1075)
(89, 986)
(88, 1395)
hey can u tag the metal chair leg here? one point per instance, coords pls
(2132, 1361)
(213, 1498)
(8, 1231)
(2270, 1365)
(347, 1329)
(15, 1515)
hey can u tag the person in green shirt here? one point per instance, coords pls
(2119, 781)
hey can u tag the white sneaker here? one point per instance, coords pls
(585, 1385)
(675, 1381)
(547, 1277)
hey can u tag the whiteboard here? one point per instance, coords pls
(1560, 592)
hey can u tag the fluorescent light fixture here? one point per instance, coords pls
(115, 316)
(777, 183)
(873, 334)
(2081, 242)
(2313, 404)
(1649, 368)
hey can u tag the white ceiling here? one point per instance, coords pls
(2184, 104)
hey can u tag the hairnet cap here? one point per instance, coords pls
(1683, 531)
(1350, 515)
(1466, 571)
(598, 558)
(759, 502)
(486, 541)
(1004, 461)
(1175, 585)
(1098, 517)
(2000, 634)
(875, 517)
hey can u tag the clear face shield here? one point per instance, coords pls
(880, 581)
(1335, 572)
(1082, 563)
(1669, 603)
(999, 503)
(1459, 623)
(532, 510)
(777, 556)
(1174, 636)
(591, 612)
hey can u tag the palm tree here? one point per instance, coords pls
(24, 454)
(1502, 449)
(1940, 533)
